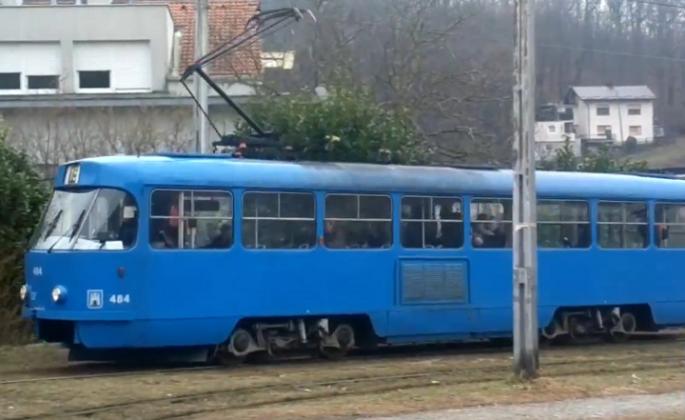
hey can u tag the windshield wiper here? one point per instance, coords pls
(52, 224)
(51, 228)
(77, 224)
(74, 229)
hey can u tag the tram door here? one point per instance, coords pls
(432, 276)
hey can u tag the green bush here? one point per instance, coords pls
(348, 126)
(601, 161)
(22, 196)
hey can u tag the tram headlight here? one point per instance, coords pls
(23, 292)
(59, 294)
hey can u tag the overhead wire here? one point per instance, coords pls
(659, 3)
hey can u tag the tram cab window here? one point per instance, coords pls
(278, 220)
(194, 219)
(94, 219)
(431, 222)
(669, 225)
(622, 225)
(491, 223)
(563, 224)
(358, 221)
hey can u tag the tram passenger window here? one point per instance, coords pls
(669, 225)
(276, 220)
(358, 221)
(563, 224)
(622, 225)
(491, 223)
(191, 219)
(431, 222)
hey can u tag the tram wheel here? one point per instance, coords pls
(577, 330)
(344, 334)
(628, 324)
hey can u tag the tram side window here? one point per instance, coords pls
(278, 220)
(191, 219)
(358, 221)
(669, 225)
(563, 224)
(491, 223)
(432, 222)
(622, 225)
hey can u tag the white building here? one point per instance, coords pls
(554, 129)
(81, 78)
(612, 114)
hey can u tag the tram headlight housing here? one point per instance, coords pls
(59, 294)
(23, 292)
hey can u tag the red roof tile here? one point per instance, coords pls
(227, 18)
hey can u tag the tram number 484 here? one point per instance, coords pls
(120, 299)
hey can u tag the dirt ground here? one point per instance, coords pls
(36, 382)
(628, 407)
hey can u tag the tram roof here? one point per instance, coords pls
(221, 172)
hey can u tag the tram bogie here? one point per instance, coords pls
(615, 323)
(330, 337)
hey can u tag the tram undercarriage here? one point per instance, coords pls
(329, 338)
(615, 323)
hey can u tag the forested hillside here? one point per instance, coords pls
(450, 61)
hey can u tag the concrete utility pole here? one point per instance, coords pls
(201, 90)
(525, 297)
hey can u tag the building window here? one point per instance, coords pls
(10, 81)
(491, 223)
(569, 128)
(191, 219)
(604, 130)
(431, 222)
(635, 130)
(563, 224)
(552, 128)
(634, 110)
(98, 79)
(622, 225)
(276, 220)
(358, 221)
(602, 110)
(43, 82)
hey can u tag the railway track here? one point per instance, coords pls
(108, 374)
(381, 355)
(255, 396)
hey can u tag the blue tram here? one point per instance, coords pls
(235, 256)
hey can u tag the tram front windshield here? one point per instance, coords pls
(92, 219)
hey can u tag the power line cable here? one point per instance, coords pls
(680, 6)
(610, 52)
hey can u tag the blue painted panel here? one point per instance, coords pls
(133, 171)
(160, 333)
